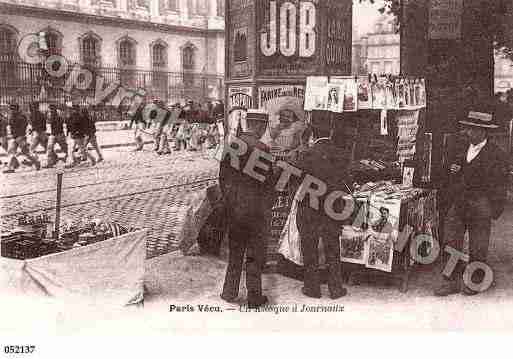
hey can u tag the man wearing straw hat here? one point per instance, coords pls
(477, 196)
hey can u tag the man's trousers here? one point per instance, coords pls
(472, 214)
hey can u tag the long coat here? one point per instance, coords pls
(485, 176)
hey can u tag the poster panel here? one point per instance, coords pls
(284, 104)
(288, 40)
(240, 35)
(239, 99)
(445, 17)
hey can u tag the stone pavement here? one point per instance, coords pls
(139, 189)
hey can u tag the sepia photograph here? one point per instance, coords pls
(179, 167)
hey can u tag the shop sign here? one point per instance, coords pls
(445, 17)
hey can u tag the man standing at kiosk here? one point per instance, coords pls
(477, 195)
(248, 204)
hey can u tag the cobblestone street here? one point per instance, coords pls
(139, 189)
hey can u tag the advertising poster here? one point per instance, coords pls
(238, 39)
(288, 37)
(284, 104)
(240, 98)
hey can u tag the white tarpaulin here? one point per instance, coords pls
(110, 272)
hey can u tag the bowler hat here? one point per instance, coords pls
(479, 119)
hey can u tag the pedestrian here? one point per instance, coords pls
(17, 131)
(57, 136)
(76, 127)
(3, 133)
(137, 118)
(38, 127)
(183, 133)
(476, 195)
(324, 161)
(248, 205)
(161, 130)
(90, 131)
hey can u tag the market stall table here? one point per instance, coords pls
(110, 272)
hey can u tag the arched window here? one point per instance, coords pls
(220, 7)
(8, 37)
(90, 48)
(126, 53)
(53, 41)
(159, 64)
(159, 55)
(188, 58)
(127, 61)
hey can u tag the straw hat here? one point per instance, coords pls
(479, 119)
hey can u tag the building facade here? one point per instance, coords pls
(378, 52)
(171, 47)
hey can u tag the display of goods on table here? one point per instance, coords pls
(386, 218)
(395, 214)
(33, 237)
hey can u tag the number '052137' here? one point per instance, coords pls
(19, 349)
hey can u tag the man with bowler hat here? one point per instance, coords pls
(248, 204)
(476, 196)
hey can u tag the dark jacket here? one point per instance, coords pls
(56, 123)
(326, 162)
(486, 176)
(244, 195)
(75, 124)
(38, 121)
(18, 123)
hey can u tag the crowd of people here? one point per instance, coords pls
(191, 126)
(72, 127)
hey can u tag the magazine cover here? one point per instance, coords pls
(350, 92)
(380, 252)
(335, 98)
(364, 93)
(316, 97)
(378, 95)
(390, 96)
(352, 245)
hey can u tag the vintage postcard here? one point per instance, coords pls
(238, 167)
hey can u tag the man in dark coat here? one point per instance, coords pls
(16, 129)
(76, 125)
(137, 118)
(325, 162)
(37, 122)
(476, 195)
(90, 131)
(248, 203)
(56, 122)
